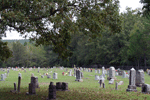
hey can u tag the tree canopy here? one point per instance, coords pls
(146, 7)
(51, 22)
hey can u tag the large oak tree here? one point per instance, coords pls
(51, 22)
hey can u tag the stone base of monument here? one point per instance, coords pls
(13, 91)
(108, 78)
(27, 93)
(139, 85)
(131, 88)
(79, 80)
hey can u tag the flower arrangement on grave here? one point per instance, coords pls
(62, 73)
(147, 70)
(66, 73)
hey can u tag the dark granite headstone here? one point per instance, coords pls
(64, 86)
(52, 91)
(58, 86)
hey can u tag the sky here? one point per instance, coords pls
(123, 4)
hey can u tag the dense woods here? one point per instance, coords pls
(130, 47)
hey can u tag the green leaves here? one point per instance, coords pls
(5, 52)
(51, 22)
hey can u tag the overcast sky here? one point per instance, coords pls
(123, 4)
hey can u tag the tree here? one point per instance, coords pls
(51, 21)
(5, 52)
(146, 7)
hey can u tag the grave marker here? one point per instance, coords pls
(132, 79)
(78, 76)
(52, 91)
(139, 78)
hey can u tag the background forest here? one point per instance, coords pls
(130, 47)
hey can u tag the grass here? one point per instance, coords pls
(87, 90)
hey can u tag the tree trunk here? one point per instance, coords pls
(138, 65)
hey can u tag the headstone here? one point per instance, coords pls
(123, 74)
(120, 83)
(98, 71)
(146, 88)
(74, 74)
(103, 71)
(83, 69)
(58, 86)
(52, 91)
(116, 86)
(96, 77)
(127, 75)
(36, 82)
(116, 73)
(42, 76)
(100, 82)
(78, 76)
(81, 74)
(19, 75)
(95, 71)
(19, 82)
(148, 72)
(55, 75)
(132, 79)
(32, 75)
(69, 73)
(111, 81)
(15, 89)
(5, 75)
(64, 86)
(33, 85)
(48, 76)
(66, 69)
(139, 78)
(2, 77)
(111, 72)
(103, 85)
(101, 77)
(86, 69)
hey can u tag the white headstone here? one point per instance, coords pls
(19, 75)
(96, 77)
(111, 72)
(101, 77)
(99, 71)
(55, 76)
(103, 71)
(2, 77)
(111, 81)
(123, 74)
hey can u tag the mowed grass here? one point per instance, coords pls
(89, 89)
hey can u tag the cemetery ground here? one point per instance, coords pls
(89, 89)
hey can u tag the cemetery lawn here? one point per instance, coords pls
(89, 89)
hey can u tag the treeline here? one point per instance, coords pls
(130, 47)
